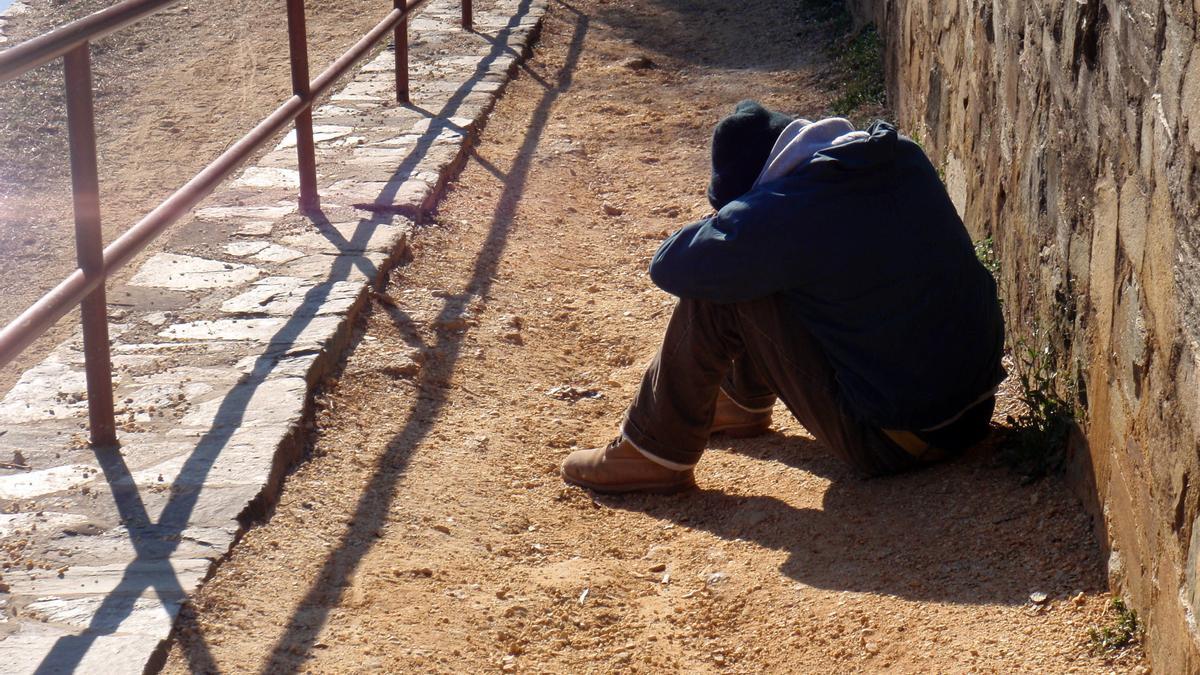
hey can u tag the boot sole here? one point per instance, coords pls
(645, 488)
(741, 430)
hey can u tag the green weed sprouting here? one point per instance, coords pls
(857, 56)
(860, 59)
(1036, 443)
(1121, 633)
(985, 251)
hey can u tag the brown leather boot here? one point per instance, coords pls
(735, 421)
(619, 467)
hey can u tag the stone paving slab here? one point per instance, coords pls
(217, 347)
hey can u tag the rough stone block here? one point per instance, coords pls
(170, 579)
(269, 177)
(48, 390)
(322, 133)
(353, 237)
(253, 221)
(286, 296)
(101, 541)
(279, 364)
(36, 647)
(275, 253)
(186, 273)
(334, 112)
(277, 331)
(146, 616)
(411, 198)
(241, 249)
(273, 403)
(233, 465)
(366, 91)
(360, 268)
(53, 521)
(31, 484)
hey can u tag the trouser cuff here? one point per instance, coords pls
(757, 404)
(671, 458)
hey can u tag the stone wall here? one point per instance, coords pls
(1069, 131)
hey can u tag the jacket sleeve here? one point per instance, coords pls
(739, 254)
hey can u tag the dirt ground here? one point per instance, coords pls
(172, 92)
(429, 530)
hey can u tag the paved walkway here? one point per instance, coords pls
(218, 346)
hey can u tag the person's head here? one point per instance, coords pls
(740, 147)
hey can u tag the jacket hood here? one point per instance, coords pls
(878, 144)
(801, 140)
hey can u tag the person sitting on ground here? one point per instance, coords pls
(837, 276)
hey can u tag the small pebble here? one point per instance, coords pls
(640, 62)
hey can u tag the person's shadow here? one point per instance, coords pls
(966, 531)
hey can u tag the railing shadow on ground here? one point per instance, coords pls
(154, 542)
(311, 614)
(965, 531)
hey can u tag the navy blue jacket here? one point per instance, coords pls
(869, 255)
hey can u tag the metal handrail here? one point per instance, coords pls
(85, 286)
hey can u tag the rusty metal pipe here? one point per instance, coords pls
(468, 15)
(321, 83)
(310, 199)
(43, 49)
(400, 40)
(89, 243)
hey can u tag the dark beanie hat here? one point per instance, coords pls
(740, 147)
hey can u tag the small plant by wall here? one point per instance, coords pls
(1123, 632)
(857, 77)
(860, 58)
(1035, 442)
(985, 251)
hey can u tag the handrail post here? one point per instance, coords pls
(310, 200)
(89, 243)
(400, 39)
(468, 16)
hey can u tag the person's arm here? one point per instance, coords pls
(742, 253)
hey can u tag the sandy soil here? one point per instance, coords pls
(429, 531)
(172, 92)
